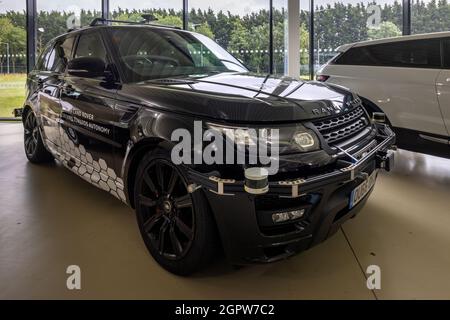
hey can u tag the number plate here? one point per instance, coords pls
(363, 189)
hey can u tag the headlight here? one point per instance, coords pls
(242, 136)
(290, 139)
(305, 140)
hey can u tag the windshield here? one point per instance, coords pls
(146, 54)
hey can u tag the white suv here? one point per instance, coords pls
(408, 78)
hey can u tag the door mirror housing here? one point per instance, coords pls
(87, 67)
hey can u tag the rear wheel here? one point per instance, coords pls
(176, 225)
(34, 147)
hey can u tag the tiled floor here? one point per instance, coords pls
(50, 218)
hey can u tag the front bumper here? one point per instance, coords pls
(244, 220)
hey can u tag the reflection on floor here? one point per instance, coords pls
(50, 219)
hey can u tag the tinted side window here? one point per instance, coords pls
(409, 54)
(90, 45)
(446, 54)
(60, 55)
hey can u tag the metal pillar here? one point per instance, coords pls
(31, 33)
(185, 14)
(311, 39)
(293, 43)
(406, 17)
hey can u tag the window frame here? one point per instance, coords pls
(445, 62)
(41, 65)
(408, 66)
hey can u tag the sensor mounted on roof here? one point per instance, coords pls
(148, 17)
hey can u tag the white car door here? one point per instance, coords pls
(405, 92)
(443, 86)
(406, 95)
(443, 92)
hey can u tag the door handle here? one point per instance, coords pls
(448, 79)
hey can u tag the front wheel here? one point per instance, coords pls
(176, 225)
(34, 147)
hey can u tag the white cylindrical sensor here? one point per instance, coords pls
(256, 180)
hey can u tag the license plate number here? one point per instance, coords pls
(363, 189)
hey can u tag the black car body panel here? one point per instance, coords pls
(241, 98)
(101, 128)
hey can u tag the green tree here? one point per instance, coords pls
(15, 38)
(169, 20)
(304, 44)
(386, 29)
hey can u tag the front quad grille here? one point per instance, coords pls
(342, 127)
(345, 132)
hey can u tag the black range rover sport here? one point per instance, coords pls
(105, 101)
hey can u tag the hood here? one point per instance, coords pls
(243, 97)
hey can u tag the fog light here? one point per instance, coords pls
(256, 180)
(280, 217)
(289, 215)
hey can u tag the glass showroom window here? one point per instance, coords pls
(13, 64)
(304, 38)
(167, 12)
(280, 34)
(239, 27)
(56, 17)
(430, 16)
(340, 22)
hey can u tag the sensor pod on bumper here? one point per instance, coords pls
(385, 160)
(378, 117)
(256, 180)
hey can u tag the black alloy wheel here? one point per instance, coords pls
(34, 147)
(31, 131)
(175, 224)
(169, 221)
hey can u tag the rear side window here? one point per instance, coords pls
(91, 45)
(446, 52)
(408, 54)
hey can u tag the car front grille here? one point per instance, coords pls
(342, 127)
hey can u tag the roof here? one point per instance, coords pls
(106, 23)
(422, 36)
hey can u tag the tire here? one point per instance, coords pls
(32, 140)
(176, 226)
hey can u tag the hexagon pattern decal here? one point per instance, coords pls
(78, 160)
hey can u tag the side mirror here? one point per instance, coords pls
(87, 67)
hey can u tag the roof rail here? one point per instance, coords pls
(102, 21)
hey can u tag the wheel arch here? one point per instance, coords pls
(135, 155)
(26, 109)
(372, 107)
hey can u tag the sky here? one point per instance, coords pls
(240, 7)
(235, 6)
